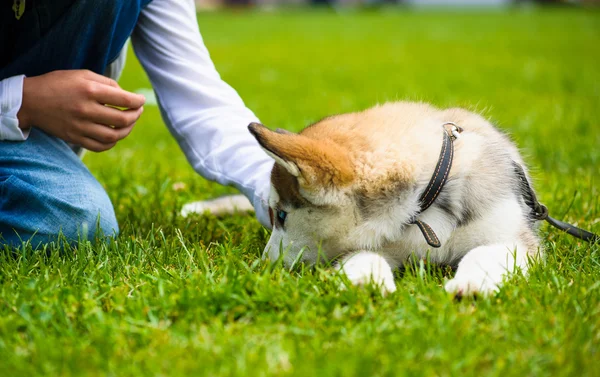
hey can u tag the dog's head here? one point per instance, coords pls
(310, 204)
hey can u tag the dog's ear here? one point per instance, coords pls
(284, 132)
(314, 162)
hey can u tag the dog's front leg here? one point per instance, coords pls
(482, 269)
(366, 267)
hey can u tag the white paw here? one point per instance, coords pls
(220, 206)
(473, 282)
(386, 284)
(370, 268)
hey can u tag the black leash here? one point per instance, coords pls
(440, 176)
(540, 212)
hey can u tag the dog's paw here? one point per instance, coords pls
(384, 283)
(472, 283)
(224, 205)
(369, 268)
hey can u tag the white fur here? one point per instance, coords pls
(374, 233)
(483, 268)
(291, 167)
(366, 267)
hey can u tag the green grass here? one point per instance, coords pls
(180, 297)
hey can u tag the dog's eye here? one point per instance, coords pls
(281, 215)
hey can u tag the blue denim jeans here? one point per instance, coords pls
(45, 190)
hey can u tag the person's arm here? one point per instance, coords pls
(206, 116)
(11, 97)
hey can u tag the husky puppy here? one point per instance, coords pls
(348, 189)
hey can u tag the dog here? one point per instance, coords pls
(351, 189)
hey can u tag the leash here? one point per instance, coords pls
(540, 211)
(440, 176)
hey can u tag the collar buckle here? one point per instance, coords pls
(452, 129)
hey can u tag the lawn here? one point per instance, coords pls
(181, 297)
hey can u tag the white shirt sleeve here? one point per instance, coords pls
(206, 116)
(11, 97)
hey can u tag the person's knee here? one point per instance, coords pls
(93, 217)
(45, 191)
(78, 211)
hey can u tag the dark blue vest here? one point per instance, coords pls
(49, 35)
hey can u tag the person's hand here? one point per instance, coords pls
(77, 107)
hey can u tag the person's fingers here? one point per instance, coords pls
(118, 97)
(94, 145)
(92, 76)
(108, 95)
(106, 135)
(110, 116)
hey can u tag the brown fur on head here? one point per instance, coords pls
(311, 179)
(315, 163)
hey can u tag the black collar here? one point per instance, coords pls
(437, 182)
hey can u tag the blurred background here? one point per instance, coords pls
(211, 4)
